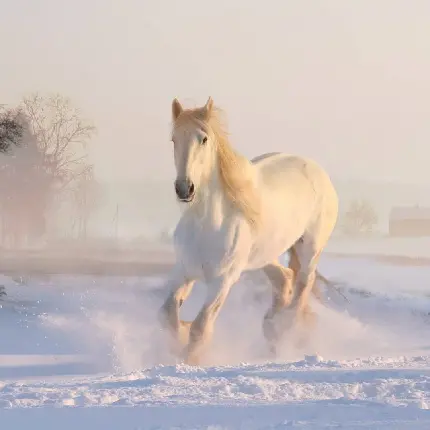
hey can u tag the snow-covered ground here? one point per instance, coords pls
(86, 353)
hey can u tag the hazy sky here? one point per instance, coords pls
(346, 82)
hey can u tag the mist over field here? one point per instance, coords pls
(344, 83)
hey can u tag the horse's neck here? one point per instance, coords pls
(212, 204)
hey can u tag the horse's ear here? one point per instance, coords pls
(176, 109)
(209, 104)
(207, 108)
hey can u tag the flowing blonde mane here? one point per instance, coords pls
(233, 168)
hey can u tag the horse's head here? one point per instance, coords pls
(194, 149)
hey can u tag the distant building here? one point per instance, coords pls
(412, 221)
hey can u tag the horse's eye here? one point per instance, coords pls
(204, 140)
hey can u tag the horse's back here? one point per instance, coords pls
(262, 157)
(299, 181)
(276, 166)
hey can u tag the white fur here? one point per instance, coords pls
(214, 241)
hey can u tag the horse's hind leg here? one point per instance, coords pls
(308, 256)
(294, 264)
(169, 314)
(282, 280)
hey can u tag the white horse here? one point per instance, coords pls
(242, 215)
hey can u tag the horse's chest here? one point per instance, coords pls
(201, 245)
(204, 250)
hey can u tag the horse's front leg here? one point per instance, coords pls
(169, 313)
(202, 327)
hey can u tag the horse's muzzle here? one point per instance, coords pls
(184, 190)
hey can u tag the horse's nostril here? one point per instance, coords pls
(191, 188)
(177, 188)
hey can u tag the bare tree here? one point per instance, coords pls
(10, 129)
(51, 156)
(62, 135)
(361, 217)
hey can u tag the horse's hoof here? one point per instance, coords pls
(192, 360)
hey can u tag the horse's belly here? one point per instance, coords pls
(282, 229)
(271, 248)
